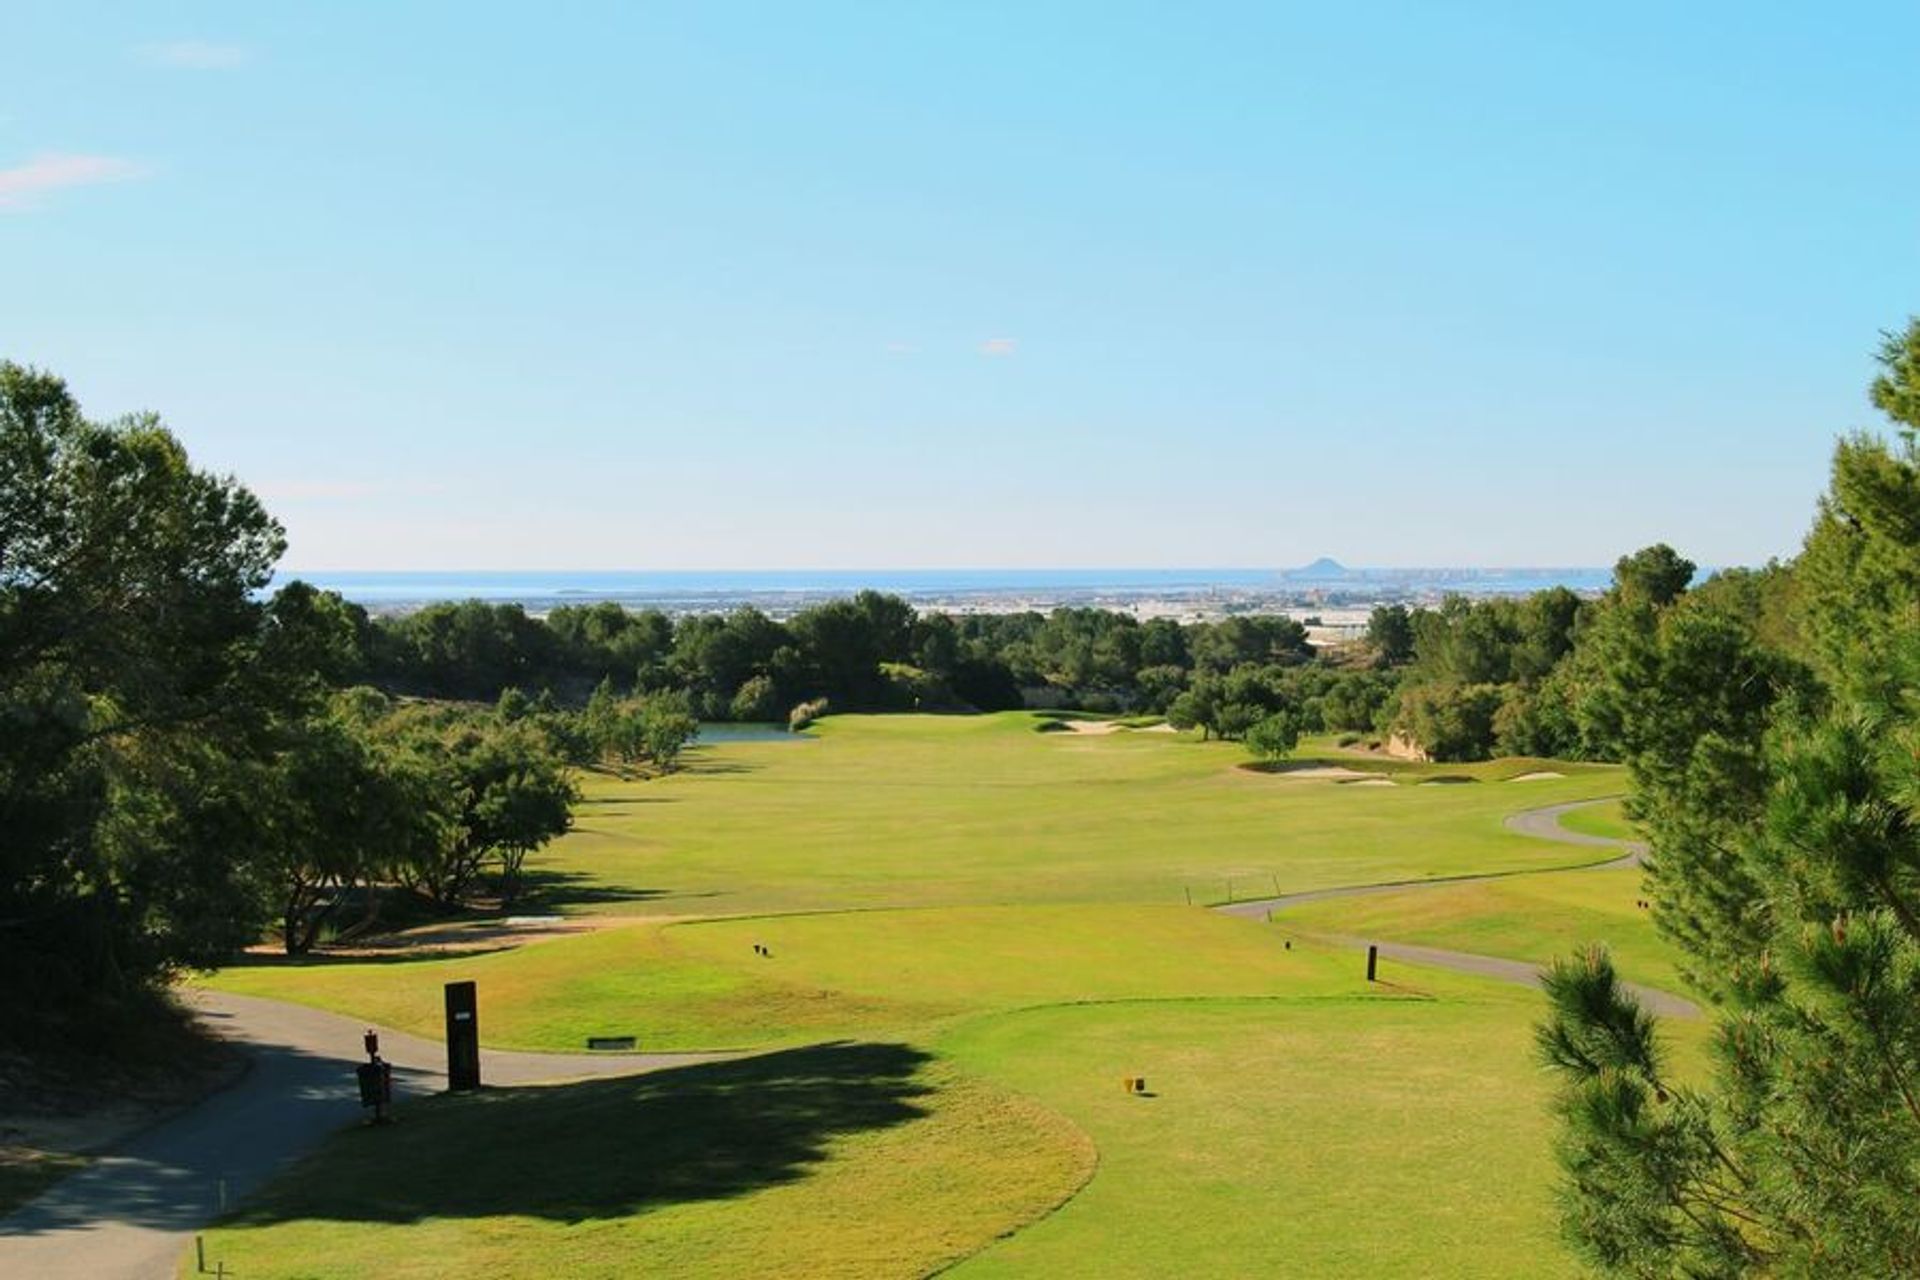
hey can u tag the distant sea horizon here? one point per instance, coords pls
(719, 588)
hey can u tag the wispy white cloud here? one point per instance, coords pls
(194, 55)
(53, 171)
(998, 347)
(901, 348)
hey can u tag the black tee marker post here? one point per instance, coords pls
(463, 1037)
(1373, 961)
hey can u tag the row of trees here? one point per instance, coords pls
(178, 767)
(1532, 676)
(1462, 681)
(871, 652)
(365, 794)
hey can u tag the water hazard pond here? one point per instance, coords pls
(717, 733)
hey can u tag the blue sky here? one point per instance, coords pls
(964, 285)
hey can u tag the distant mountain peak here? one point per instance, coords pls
(1324, 567)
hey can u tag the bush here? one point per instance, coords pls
(755, 700)
(1275, 737)
(805, 714)
(1451, 723)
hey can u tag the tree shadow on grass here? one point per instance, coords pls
(606, 1148)
(545, 889)
(343, 956)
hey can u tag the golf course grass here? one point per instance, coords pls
(853, 1158)
(1605, 819)
(913, 810)
(952, 937)
(702, 986)
(1315, 1138)
(1537, 918)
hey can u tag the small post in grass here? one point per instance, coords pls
(199, 1254)
(1373, 961)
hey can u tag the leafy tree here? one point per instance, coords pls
(337, 812)
(1243, 641)
(500, 795)
(1451, 722)
(1355, 700)
(1194, 709)
(1781, 810)
(985, 684)
(840, 644)
(757, 699)
(936, 643)
(1160, 685)
(1654, 575)
(1390, 632)
(666, 725)
(601, 720)
(139, 682)
(1274, 737)
(1163, 643)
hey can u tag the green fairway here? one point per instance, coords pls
(957, 934)
(701, 986)
(1536, 918)
(851, 1159)
(1312, 1138)
(1606, 819)
(892, 811)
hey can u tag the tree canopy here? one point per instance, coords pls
(1781, 802)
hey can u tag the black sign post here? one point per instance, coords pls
(376, 1080)
(463, 1037)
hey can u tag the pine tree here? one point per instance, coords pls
(1782, 804)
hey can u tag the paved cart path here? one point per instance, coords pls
(132, 1213)
(1543, 824)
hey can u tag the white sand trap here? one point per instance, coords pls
(1371, 782)
(1097, 728)
(1329, 771)
(1162, 727)
(1538, 775)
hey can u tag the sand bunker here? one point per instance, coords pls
(1329, 771)
(1375, 781)
(457, 937)
(1538, 775)
(1098, 728)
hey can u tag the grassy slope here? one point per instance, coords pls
(934, 811)
(700, 986)
(856, 1159)
(1604, 819)
(1337, 1138)
(1288, 1128)
(1535, 917)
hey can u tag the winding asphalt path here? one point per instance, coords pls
(1543, 824)
(131, 1214)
